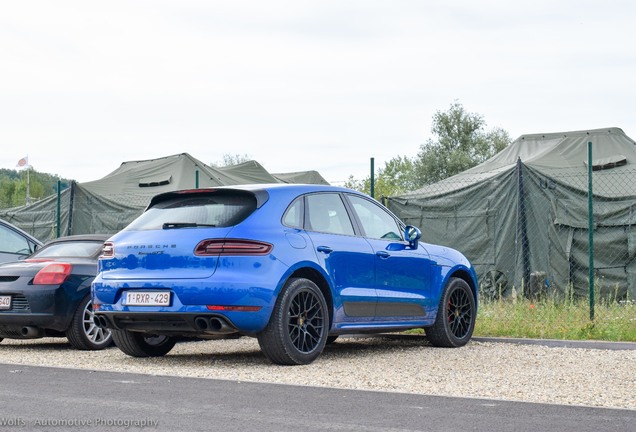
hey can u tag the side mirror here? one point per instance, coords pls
(412, 235)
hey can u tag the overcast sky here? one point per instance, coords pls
(299, 85)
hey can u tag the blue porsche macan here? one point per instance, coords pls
(293, 265)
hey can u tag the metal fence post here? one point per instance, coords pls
(372, 179)
(590, 212)
(522, 230)
(59, 207)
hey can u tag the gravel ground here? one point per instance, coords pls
(532, 373)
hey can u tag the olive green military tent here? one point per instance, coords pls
(521, 217)
(307, 177)
(109, 204)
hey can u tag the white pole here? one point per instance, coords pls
(28, 189)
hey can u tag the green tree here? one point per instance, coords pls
(396, 177)
(7, 189)
(13, 185)
(460, 143)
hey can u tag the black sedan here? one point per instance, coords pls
(48, 294)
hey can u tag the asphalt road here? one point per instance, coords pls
(52, 399)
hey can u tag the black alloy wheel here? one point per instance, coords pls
(297, 331)
(456, 316)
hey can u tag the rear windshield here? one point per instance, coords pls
(191, 211)
(76, 249)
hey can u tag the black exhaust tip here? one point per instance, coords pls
(216, 324)
(202, 323)
(31, 332)
(100, 321)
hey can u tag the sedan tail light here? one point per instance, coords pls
(232, 247)
(53, 274)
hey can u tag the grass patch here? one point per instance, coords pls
(557, 319)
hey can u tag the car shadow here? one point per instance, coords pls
(345, 346)
(371, 345)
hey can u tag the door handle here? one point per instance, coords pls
(383, 254)
(324, 249)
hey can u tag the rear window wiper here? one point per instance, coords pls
(171, 225)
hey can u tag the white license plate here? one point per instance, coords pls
(5, 302)
(146, 298)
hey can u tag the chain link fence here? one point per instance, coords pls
(539, 252)
(75, 210)
(542, 271)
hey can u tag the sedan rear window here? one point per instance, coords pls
(78, 249)
(214, 210)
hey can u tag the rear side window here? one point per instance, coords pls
(328, 214)
(216, 210)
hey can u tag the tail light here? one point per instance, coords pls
(232, 247)
(108, 251)
(53, 274)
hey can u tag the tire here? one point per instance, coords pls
(297, 330)
(83, 334)
(456, 316)
(143, 345)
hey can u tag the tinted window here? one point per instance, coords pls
(376, 222)
(219, 210)
(328, 214)
(12, 242)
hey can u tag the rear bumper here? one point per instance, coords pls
(190, 324)
(31, 325)
(189, 300)
(42, 307)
